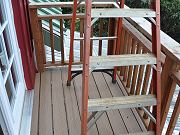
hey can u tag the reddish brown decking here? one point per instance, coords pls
(57, 107)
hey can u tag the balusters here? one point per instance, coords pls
(146, 80)
(135, 72)
(52, 40)
(111, 32)
(62, 41)
(81, 35)
(128, 51)
(133, 50)
(121, 48)
(100, 35)
(140, 78)
(91, 42)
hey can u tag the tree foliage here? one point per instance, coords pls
(170, 15)
(170, 18)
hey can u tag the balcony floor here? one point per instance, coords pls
(57, 107)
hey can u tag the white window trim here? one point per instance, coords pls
(13, 126)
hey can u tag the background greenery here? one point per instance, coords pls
(170, 15)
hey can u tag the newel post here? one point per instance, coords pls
(38, 41)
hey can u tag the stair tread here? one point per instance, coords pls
(122, 60)
(102, 104)
(119, 12)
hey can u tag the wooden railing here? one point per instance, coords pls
(135, 39)
(37, 28)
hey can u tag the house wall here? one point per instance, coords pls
(21, 20)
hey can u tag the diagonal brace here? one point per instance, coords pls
(93, 118)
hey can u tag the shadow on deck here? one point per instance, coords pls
(57, 107)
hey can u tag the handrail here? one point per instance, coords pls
(169, 45)
(66, 4)
(136, 38)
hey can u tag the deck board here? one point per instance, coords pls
(127, 114)
(77, 82)
(103, 124)
(45, 112)
(57, 107)
(114, 117)
(59, 121)
(73, 116)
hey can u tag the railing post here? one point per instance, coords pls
(38, 41)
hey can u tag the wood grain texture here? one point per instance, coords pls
(117, 12)
(66, 4)
(58, 104)
(45, 112)
(121, 102)
(73, 116)
(122, 60)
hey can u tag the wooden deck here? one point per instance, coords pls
(57, 107)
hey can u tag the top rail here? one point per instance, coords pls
(67, 4)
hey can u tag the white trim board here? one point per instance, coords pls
(27, 113)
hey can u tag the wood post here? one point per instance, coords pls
(38, 41)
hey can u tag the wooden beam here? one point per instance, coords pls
(122, 60)
(60, 16)
(67, 4)
(103, 104)
(116, 12)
